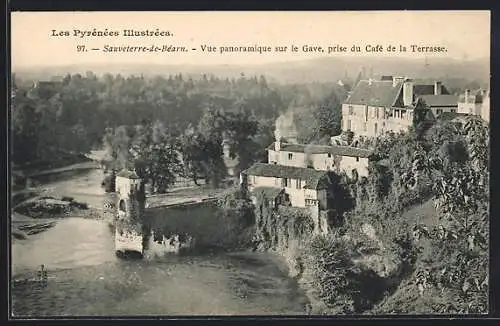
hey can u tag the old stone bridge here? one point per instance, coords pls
(128, 211)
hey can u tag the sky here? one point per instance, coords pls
(464, 34)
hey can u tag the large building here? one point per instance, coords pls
(377, 106)
(322, 158)
(300, 187)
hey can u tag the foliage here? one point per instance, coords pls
(74, 112)
(449, 162)
(314, 111)
(109, 183)
(238, 217)
(240, 130)
(334, 277)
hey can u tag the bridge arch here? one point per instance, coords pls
(121, 205)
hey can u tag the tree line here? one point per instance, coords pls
(164, 126)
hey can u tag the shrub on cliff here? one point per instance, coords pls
(337, 283)
(238, 217)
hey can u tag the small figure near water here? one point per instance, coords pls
(42, 274)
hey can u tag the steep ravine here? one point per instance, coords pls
(287, 232)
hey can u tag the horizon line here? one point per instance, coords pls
(114, 63)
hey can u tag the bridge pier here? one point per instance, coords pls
(131, 232)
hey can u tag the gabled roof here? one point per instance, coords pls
(376, 93)
(428, 89)
(322, 149)
(128, 174)
(440, 100)
(314, 179)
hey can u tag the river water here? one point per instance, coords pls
(85, 278)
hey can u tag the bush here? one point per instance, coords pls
(336, 280)
(238, 218)
(109, 183)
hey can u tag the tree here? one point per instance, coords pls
(240, 130)
(329, 116)
(211, 128)
(459, 266)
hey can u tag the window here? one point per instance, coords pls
(376, 113)
(311, 202)
(297, 183)
(284, 182)
(351, 110)
(439, 111)
(290, 156)
(329, 154)
(453, 110)
(365, 127)
(375, 128)
(348, 125)
(357, 159)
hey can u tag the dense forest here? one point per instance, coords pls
(165, 127)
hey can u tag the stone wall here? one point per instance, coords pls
(203, 222)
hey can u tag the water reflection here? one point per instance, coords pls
(86, 278)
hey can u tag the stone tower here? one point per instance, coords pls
(130, 212)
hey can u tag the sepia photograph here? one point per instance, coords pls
(218, 163)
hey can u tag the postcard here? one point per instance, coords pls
(216, 163)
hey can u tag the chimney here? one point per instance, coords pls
(466, 97)
(408, 92)
(396, 80)
(437, 88)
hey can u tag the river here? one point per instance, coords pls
(87, 279)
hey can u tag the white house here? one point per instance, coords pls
(301, 187)
(378, 106)
(319, 157)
